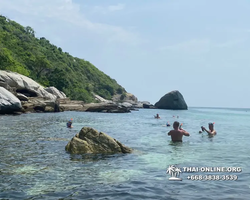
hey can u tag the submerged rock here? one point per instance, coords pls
(89, 140)
(172, 100)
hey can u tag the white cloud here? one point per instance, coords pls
(201, 45)
(66, 11)
(191, 46)
(116, 7)
(107, 9)
(230, 43)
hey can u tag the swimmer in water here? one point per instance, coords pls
(157, 116)
(177, 133)
(211, 131)
(69, 124)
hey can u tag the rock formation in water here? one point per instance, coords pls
(9, 103)
(88, 140)
(172, 100)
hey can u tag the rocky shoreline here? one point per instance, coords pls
(20, 94)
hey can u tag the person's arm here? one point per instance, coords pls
(170, 132)
(184, 132)
(210, 132)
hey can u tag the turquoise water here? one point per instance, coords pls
(34, 164)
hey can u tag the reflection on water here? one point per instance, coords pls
(34, 163)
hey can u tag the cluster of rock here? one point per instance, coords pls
(20, 94)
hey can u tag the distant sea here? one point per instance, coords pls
(35, 165)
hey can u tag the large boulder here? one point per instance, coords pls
(172, 100)
(89, 140)
(9, 103)
(24, 85)
(56, 92)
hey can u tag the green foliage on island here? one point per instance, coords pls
(37, 58)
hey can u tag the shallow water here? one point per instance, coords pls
(34, 164)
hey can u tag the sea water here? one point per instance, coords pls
(35, 165)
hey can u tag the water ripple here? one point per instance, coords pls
(34, 164)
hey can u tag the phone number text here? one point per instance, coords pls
(213, 177)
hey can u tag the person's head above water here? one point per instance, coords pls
(211, 126)
(176, 125)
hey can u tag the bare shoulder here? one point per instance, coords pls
(170, 132)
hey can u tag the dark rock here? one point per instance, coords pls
(148, 105)
(172, 100)
(21, 97)
(39, 104)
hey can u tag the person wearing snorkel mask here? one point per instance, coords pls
(211, 131)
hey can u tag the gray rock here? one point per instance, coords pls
(126, 105)
(127, 97)
(56, 92)
(172, 100)
(24, 85)
(8, 102)
(107, 107)
(70, 105)
(21, 97)
(100, 99)
(88, 140)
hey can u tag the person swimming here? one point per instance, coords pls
(157, 116)
(177, 133)
(168, 124)
(69, 124)
(211, 131)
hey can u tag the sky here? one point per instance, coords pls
(199, 47)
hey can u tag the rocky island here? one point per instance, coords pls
(172, 100)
